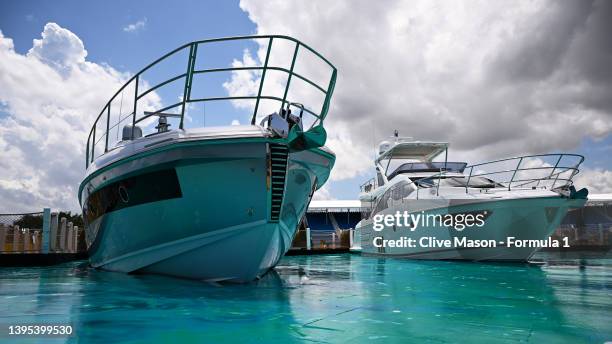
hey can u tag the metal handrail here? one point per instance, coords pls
(531, 156)
(568, 181)
(191, 71)
(370, 181)
(554, 176)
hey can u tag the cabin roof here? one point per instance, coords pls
(417, 150)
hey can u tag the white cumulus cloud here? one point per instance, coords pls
(137, 26)
(493, 79)
(51, 96)
(58, 47)
(596, 180)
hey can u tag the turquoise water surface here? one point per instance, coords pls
(321, 299)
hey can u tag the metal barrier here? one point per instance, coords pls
(25, 233)
(21, 232)
(309, 239)
(95, 138)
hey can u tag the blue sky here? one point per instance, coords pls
(100, 24)
(156, 29)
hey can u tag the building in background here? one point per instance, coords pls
(328, 224)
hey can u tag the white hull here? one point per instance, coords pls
(522, 219)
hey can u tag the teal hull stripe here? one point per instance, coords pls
(128, 192)
(188, 144)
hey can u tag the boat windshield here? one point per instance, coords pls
(474, 182)
(429, 166)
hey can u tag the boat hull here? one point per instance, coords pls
(200, 210)
(528, 219)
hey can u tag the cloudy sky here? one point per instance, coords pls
(494, 78)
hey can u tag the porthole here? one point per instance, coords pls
(123, 194)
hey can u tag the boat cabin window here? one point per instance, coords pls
(430, 166)
(401, 190)
(475, 182)
(394, 194)
(383, 202)
(380, 178)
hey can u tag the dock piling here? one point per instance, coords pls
(3, 234)
(75, 240)
(46, 230)
(16, 235)
(68, 242)
(53, 246)
(62, 234)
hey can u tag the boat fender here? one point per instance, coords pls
(302, 140)
(580, 194)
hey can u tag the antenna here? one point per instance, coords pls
(374, 150)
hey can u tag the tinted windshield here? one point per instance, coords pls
(439, 166)
(475, 182)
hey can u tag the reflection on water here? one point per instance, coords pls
(323, 299)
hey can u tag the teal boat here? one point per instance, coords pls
(211, 202)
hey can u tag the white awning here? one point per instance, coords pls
(352, 206)
(597, 199)
(417, 150)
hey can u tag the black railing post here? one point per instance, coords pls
(93, 142)
(557, 164)
(107, 126)
(188, 76)
(195, 53)
(87, 152)
(438, 186)
(297, 46)
(135, 107)
(328, 94)
(557, 177)
(467, 184)
(514, 174)
(261, 81)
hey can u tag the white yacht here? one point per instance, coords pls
(500, 210)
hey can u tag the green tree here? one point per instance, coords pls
(30, 221)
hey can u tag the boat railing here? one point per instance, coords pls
(368, 186)
(514, 174)
(138, 89)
